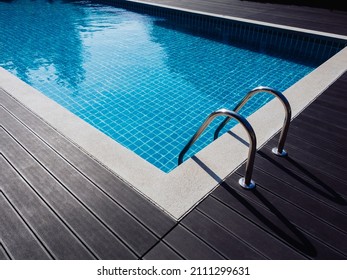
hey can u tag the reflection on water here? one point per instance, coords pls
(45, 49)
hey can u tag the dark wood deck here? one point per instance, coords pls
(58, 203)
(325, 20)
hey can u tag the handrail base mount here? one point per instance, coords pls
(277, 153)
(250, 186)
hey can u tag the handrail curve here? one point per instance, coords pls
(247, 181)
(279, 150)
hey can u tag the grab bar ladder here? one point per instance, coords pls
(247, 181)
(279, 151)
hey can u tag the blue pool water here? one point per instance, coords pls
(144, 84)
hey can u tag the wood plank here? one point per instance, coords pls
(256, 237)
(317, 139)
(103, 243)
(220, 239)
(334, 93)
(321, 182)
(325, 121)
(303, 219)
(327, 115)
(302, 149)
(311, 159)
(133, 233)
(58, 239)
(297, 16)
(310, 204)
(189, 246)
(311, 125)
(162, 252)
(294, 226)
(332, 102)
(334, 107)
(337, 89)
(16, 235)
(274, 223)
(143, 210)
(323, 188)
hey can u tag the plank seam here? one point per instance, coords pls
(27, 225)
(304, 192)
(3, 247)
(315, 168)
(50, 208)
(301, 176)
(291, 146)
(283, 241)
(313, 144)
(293, 125)
(162, 239)
(204, 241)
(280, 236)
(292, 227)
(299, 207)
(233, 234)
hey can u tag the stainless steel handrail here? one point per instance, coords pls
(279, 150)
(247, 181)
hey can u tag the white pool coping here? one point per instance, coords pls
(180, 190)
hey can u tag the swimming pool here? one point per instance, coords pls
(178, 191)
(146, 81)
